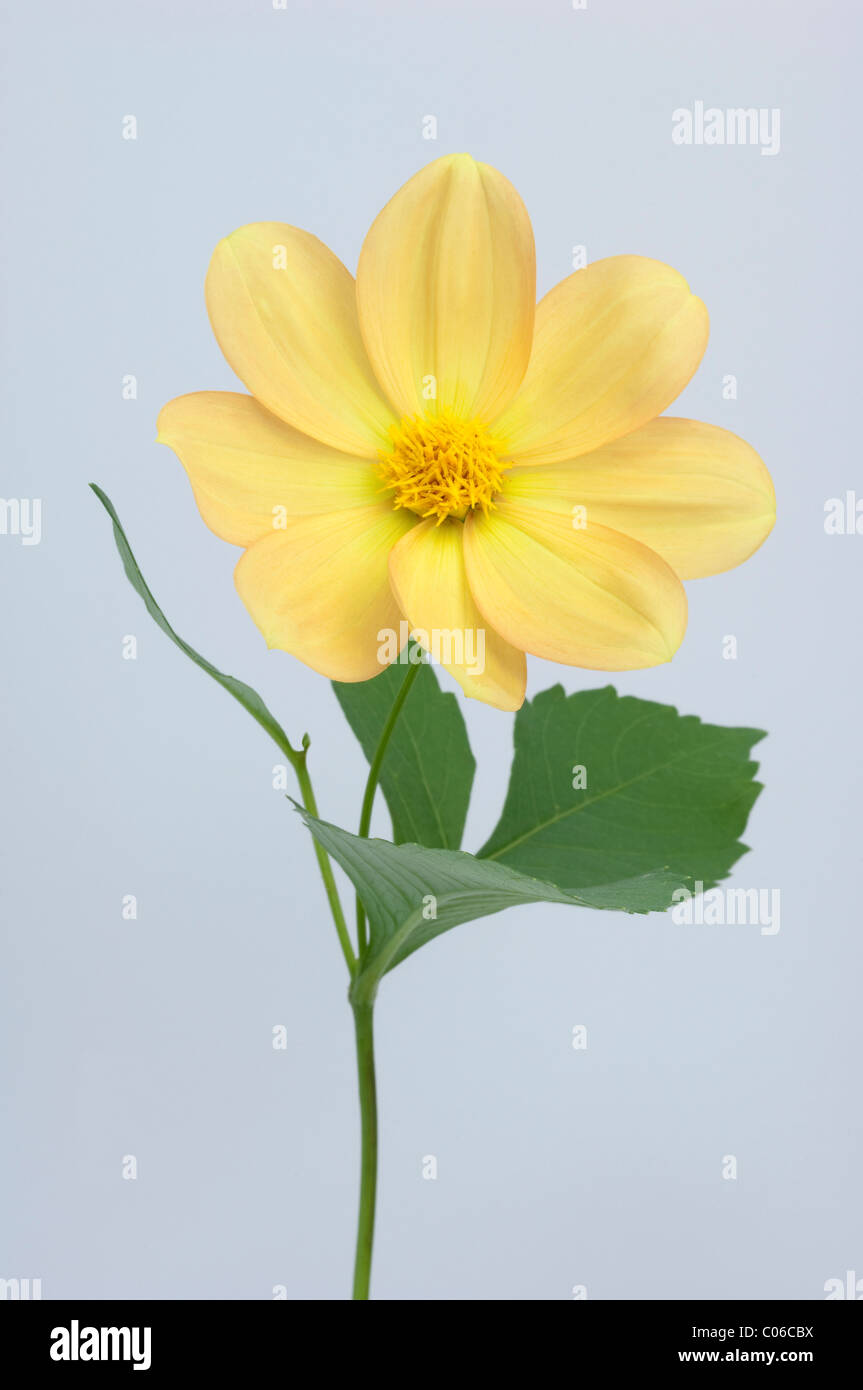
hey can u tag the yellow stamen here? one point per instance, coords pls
(441, 466)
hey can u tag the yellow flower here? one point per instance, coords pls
(427, 444)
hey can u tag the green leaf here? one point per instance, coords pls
(248, 698)
(427, 772)
(662, 790)
(401, 885)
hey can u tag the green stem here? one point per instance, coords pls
(326, 868)
(364, 1028)
(372, 784)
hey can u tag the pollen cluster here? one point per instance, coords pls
(440, 466)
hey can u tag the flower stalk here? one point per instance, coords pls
(298, 760)
(364, 1029)
(364, 1024)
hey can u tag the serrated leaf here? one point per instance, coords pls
(248, 698)
(427, 772)
(663, 790)
(411, 893)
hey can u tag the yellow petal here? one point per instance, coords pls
(249, 471)
(320, 589)
(446, 288)
(591, 597)
(283, 309)
(615, 344)
(428, 576)
(697, 495)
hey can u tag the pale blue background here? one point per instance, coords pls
(154, 1037)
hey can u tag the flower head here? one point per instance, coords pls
(427, 443)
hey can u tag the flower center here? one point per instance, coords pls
(440, 466)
